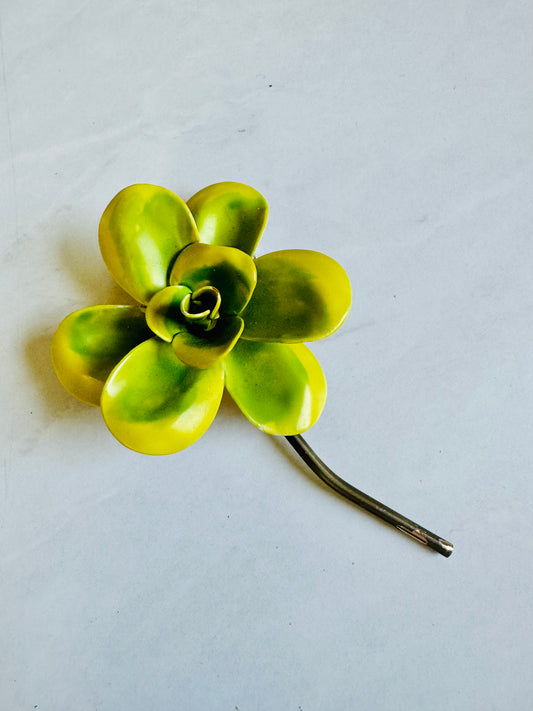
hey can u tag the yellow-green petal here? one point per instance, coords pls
(230, 214)
(301, 295)
(163, 313)
(155, 404)
(141, 231)
(203, 349)
(89, 343)
(227, 269)
(279, 387)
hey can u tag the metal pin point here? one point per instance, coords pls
(403, 524)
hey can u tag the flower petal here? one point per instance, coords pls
(280, 388)
(163, 314)
(301, 295)
(154, 404)
(230, 214)
(89, 343)
(203, 349)
(228, 269)
(141, 231)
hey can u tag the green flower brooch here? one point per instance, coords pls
(209, 316)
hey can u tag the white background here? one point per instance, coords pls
(395, 136)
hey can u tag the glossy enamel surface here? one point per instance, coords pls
(155, 404)
(279, 387)
(163, 314)
(301, 295)
(141, 231)
(227, 269)
(89, 343)
(213, 315)
(230, 214)
(203, 349)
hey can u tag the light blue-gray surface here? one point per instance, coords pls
(398, 138)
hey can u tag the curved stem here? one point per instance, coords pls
(366, 502)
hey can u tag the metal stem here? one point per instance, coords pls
(403, 524)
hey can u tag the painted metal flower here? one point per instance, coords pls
(209, 316)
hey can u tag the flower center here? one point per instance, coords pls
(202, 306)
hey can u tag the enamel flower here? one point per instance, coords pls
(209, 316)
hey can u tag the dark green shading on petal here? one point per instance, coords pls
(229, 270)
(230, 214)
(89, 343)
(279, 387)
(141, 231)
(155, 404)
(300, 295)
(163, 313)
(203, 348)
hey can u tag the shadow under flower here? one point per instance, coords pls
(57, 400)
(88, 273)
